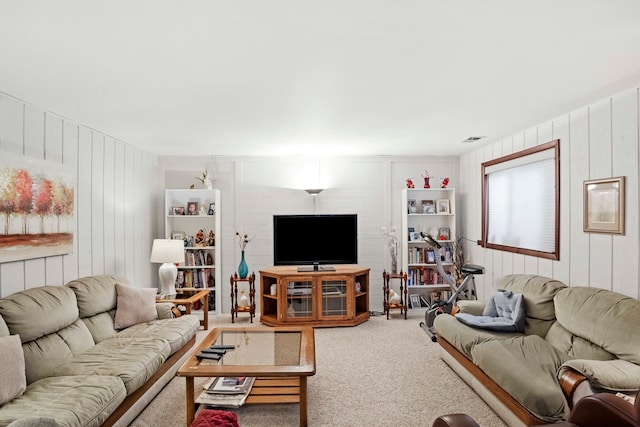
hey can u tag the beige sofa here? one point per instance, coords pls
(84, 365)
(571, 334)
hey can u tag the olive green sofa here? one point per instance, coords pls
(576, 341)
(82, 368)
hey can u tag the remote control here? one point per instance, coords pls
(223, 347)
(208, 356)
(213, 351)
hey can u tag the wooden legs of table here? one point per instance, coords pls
(205, 312)
(303, 401)
(191, 401)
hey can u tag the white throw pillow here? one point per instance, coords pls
(13, 378)
(134, 305)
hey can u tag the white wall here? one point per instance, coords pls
(597, 141)
(116, 197)
(253, 189)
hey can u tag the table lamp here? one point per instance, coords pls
(168, 252)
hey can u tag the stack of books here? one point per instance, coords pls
(226, 392)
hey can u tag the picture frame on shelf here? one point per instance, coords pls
(410, 231)
(212, 209)
(177, 210)
(414, 299)
(414, 236)
(431, 257)
(603, 205)
(192, 208)
(443, 207)
(411, 206)
(428, 207)
(177, 235)
(444, 233)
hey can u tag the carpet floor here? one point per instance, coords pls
(380, 373)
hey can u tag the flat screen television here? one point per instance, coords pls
(315, 239)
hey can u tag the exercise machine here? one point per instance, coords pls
(466, 290)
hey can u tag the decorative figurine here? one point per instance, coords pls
(426, 177)
(445, 182)
(243, 301)
(410, 183)
(203, 210)
(212, 239)
(200, 239)
(394, 298)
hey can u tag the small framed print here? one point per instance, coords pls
(428, 207)
(604, 206)
(411, 206)
(192, 208)
(415, 301)
(212, 209)
(443, 207)
(177, 235)
(431, 257)
(177, 210)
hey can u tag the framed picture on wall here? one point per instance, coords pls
(604, 206)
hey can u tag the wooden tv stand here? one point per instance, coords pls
(315, 298)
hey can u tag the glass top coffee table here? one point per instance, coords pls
(280, 358)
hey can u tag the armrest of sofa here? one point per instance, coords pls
(611, 375)
(472, 307)
(164, 310)
(455, 420)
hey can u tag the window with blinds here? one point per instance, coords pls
(521, 202)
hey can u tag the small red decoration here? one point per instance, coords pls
(410, 183)
(445, 182)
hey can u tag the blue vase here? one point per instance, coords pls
(243, 268)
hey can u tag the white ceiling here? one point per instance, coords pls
(330, 77)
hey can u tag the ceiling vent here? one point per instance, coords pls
(473, 139)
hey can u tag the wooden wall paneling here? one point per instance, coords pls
(518, 140)
(70, 157)
(625, 159)
(34, 269)
(150, 185)
(561, 270)
(54, 269)
(487, 255)
(83, 193)
(601, 245)
(108, 211)
(129, 204)
(97, 203)
(579, 155)
(11, 124)
(119, 209)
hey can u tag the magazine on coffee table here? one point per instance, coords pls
(226, 392)
(229, 385)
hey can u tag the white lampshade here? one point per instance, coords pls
(168, 252)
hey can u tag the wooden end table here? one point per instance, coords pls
(187, 297)
(280, 358)
(388, 305)
(235, 308)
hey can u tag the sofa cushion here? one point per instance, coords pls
(135, 305)
(13, 380)
(96, 294)
(525, 367)
(79, 400)
(464, 337)
(574, 346)
(4, 329)
(614, 328)
(538, 293)
(37, 312)
(133, 360)
(176, 331)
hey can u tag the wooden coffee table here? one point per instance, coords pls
(281, 359)
(187, 297)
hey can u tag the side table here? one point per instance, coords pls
(386, 287)
(187, 297)
(235, 308)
